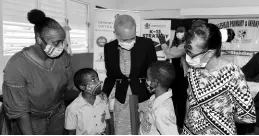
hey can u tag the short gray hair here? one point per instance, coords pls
(125, 21)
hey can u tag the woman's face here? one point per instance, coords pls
(195, 45)
(180, 33)
(52, 42)
(54, 37)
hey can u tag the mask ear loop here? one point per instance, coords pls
(43, 40)
(98, 85)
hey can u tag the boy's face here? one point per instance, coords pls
(92, 84)
(151, 85)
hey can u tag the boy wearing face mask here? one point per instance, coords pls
(160, 117)
(88, 113)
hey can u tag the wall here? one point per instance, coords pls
(171, 8)
(178, 4)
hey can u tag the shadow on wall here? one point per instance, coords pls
(82, 61)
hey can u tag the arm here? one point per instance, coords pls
(16, 98)
(187, 107)
(71, 93)
(24, 124)
(166, 122)
(70, 121)
(107, 117)
(174, 52)
(109, 80)
(243, 101)
(152, 57)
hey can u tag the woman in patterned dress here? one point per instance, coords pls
(218, 95)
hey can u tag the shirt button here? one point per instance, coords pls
(94, 116)
(95, 124)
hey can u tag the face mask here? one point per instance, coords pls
(126, 45)
(94, 89)
(149, 88)
(199, 61)
(53, 52)
(180, 35)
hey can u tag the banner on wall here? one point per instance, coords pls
(245, 44)
(151, 28)
(103, 33)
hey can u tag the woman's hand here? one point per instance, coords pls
(161, 38)
(103, 96)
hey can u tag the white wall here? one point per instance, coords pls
(178, 4)
(171, 8)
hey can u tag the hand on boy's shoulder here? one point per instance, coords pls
(103, 96)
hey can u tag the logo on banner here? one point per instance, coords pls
(101, 41)
(242, 34)
(147, 26)
(242, 37)
(100, 57)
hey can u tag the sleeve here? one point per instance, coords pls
(15, 95)
(173, 52)
(244, 104)
(69, 71)
(70, 119)
(152, 57)
(166, 122)
(251, 69)
(109, 80)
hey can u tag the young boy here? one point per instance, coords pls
(89, 112)
(160, 118)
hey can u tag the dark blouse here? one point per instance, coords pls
(30, 87)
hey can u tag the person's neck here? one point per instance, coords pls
(212, 65)
(159, 91)
(89, 97)
(40, 53)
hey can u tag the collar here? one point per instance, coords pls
(83, 102)
(117, 41)
(156, 102)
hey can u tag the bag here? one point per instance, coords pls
(5, 126)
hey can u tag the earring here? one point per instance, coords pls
(38, 40)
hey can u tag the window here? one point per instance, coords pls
(55, 9)
(78, 22)
(18, 32)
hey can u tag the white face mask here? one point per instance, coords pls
(126, 45)
(199, 61)
(149, 88)
(180, 35)
(53, 52)
(94, 89)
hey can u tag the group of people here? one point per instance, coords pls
(37, 79)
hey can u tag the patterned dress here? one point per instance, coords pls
(216, 99)
(121, 111)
